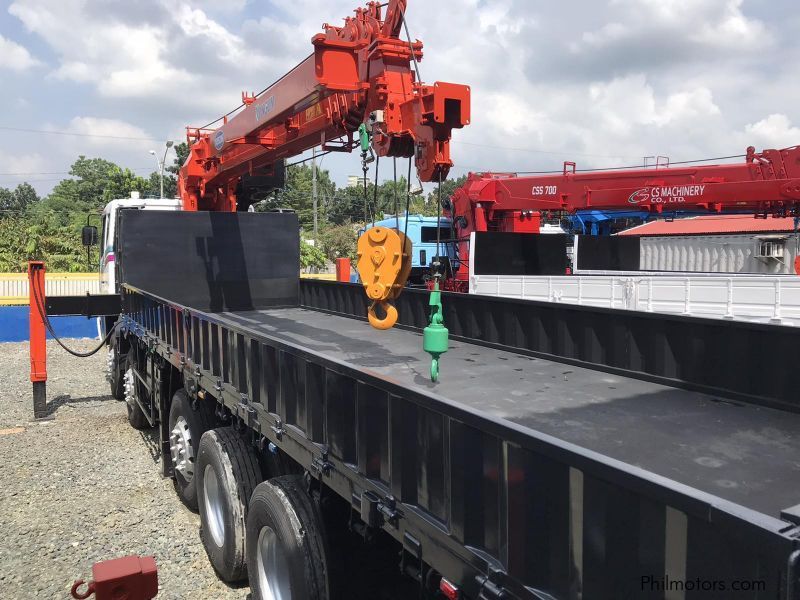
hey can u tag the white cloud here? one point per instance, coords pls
(774, 131)
(15, 57)
(603, 82)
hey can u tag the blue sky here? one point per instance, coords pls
(600, 82)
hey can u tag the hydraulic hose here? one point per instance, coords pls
(46, 320)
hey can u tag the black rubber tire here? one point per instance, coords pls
(116, 382)
(235, 465)
(199, 421)
(281, 504)
(136, 417)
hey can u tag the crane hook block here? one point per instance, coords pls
(435, 337)
(384, 264)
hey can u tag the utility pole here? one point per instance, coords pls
(314, 188)
(161, 165)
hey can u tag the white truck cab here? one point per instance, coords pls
(108, 281)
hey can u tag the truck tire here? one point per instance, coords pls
(186, 426)
(226, 473)
(136, 417)
(287, 549)
(116, 372)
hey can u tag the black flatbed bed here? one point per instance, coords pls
(744, 453)
(567, 452)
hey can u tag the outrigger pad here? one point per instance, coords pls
(211, 261)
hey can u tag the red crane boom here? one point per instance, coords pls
(359, 72)
(765, 183)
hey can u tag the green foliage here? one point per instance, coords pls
(41, 237)
(298, 194)
(311, 257)
(49, 229)
(96, 182)
(339, 241)
(18, 201)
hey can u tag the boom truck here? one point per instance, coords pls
(765, 183)
(567, 452)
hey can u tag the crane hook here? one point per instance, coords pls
(388, 321)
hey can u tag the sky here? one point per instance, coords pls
(600, 82)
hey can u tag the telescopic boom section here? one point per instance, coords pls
(358, 73)
(766, 183)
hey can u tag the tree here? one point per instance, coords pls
(311, 257)
(346, 206)
(170, 173)
(298, 194)
(19, 201)
(339, 241)
(181, 154)
(96, 182)
(449, 187)
(40, 237)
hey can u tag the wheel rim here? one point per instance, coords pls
(215, 510)
(130, 389)
(180, 446)
(273, 569)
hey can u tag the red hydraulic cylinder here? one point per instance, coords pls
(38, 348)
(343, 270)
(126, 578)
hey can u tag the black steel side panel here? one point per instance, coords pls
(609, 253)
(745, 361)
(211, 260)
(499, 253)
(476, 495)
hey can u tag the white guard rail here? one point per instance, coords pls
(759, 298)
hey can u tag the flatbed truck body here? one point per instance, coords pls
(566, 452)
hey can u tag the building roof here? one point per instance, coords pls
(713, 225)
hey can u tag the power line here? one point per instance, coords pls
(63, 172)
(538, 151)
(619, 168)
(85, 135)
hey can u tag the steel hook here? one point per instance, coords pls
(82, 595)
(388, 321)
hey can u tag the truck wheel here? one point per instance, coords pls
(116, 372)
(226, 473)
(287, 553)
(136, 417)
(186, 427)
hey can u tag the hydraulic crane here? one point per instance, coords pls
(359, 73)
(766, 183)
(359, 79)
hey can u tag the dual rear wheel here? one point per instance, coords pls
(270, 532)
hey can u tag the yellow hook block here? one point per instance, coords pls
(384, 264)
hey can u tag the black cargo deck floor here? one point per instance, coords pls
(743, 453)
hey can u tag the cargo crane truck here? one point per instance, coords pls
(762, 184)
(568, 452)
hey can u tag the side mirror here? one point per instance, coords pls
(89, 236)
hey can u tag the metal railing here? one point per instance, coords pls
(14, 286)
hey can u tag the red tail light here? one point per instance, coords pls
(449, 590)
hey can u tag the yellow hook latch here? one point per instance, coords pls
(384, 264)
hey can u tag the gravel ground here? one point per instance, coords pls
(85, 487)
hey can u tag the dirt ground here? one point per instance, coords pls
(85, 487)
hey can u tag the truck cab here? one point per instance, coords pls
(421, 231)
(108, 283)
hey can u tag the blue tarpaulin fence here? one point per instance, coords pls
(14, 325)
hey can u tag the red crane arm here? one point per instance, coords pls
(768, 182)
(360, 69)
(765, 183)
